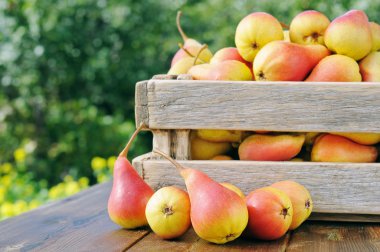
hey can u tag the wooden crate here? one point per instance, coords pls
(170, 107)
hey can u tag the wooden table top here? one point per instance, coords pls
(81, 223)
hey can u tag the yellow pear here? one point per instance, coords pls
(220, 135)
(370, 67)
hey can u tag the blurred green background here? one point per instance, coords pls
(67, 76)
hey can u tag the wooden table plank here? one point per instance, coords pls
(329, 236)
(77, 223)
(191, 242)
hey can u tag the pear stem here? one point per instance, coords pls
(199, 53)
(124, 152)
(285, 26)
(186, 51)
(175, 163)
(178, 21)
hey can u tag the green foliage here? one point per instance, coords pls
(68, 71)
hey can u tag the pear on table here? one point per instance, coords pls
(130, 193)
(350, 35)
(284, 61)
(336, 68)
(218, 214)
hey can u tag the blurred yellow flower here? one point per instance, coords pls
(6, 209)
(98, 163)
(83, 182)
(111, 162)
(6, 180)
(71, 188)
(56, 191)
(6, 167)
(2, 193)
(19, 155)
(34, 203)
(19, 207)
(102, 178)
(68, 178)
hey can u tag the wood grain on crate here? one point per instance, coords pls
(335, 187)
(273, 106)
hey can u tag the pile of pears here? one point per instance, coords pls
(313, 49)
(218, 212)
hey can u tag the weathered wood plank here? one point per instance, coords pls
(162, 141)
(335, 187)
(191, 242)
(77, 223)
(273, 106)
(141, 104)
(181, 144)
(319, 236)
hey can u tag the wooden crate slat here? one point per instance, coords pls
(335, 187)
(273, 106)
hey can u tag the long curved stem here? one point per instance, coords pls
(175, 163)
(199, 53)
(124, 152)
(178, 20)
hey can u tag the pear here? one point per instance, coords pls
(220, 135)
(191, 45)
(183, 65)
(308, 28)
(259, 147)
(370, 67)
(286, 36)
(375, 30)
(218, 214)
(130, 193)
(361, 138)
(284, 61)
(333, 148)
(204, 150)
(350, 35)
(254, 32)
(222, 157)
(229, 53)
(232, 70)
(336, 68)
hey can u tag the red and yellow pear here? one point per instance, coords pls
(335, 68)
(284, 61)
(259, 147)
(234, 189)
(370, 67)
(220, 135)
(229, 53)
(183, 65)
(191, 45)
(217, 214)
(361, 138)
(204, 150)
(222, 157)
(232, 70)
(300, 198)
(168, 212)
(254, 32)
(270, 213)
(333, 148)
(308, 28)
(375, 30)
(130, 193)
(350, 35)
